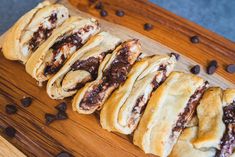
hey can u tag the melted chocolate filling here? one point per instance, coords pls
(42, 33)
(227, 143)
(188, 110)
(112, 77)
(139, 108)
(90, 65)
(70, 41)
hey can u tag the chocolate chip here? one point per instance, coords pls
(177, 56)
(61, 115)
(211, 69)
(92, 1)
(10, 131)
(148, 26)
(11, 109)
(195, 69)
(212, 66)
(26, 101)
(230, 68)
(49, 118)
(195, 39)
(120, 13)
(213, 63)
(99, 5)
(61, 107)
(63, 154)
(103, 13)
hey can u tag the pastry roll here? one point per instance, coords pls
(124, 108)
(32, 29)
(65, 40)
(82, 67)
(210, 114)
(227, 143)
(167, 113)
(93, 95)
(185, 148)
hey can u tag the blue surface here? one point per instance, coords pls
(216, 15)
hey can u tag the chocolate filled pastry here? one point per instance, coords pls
(82, 67)
(227, 142)
(65, 40)
(167, 113)
(32, 29)
(124, 108)
(185, 148)
(110, 75)
(210, 116)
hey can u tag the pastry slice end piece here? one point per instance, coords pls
(168, 112)
(110, 78)
(123, 110)
(32, 29)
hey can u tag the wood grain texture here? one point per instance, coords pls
(8, 150)
(82, 135)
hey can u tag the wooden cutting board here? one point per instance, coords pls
(82, 135)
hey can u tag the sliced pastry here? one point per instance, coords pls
(227, 143)
(210, 114)
(64, 41)
(110, 75)
(185, 148)
(32, 29)
(167, 113)
(124, 108)
(82, 67)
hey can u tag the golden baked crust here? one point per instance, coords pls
(184, 146)
(210, 114)
(41, 57)
(100, 43)
(154, 131)
(228, 96)
(117, 113)
(132, 49)
(18, 36)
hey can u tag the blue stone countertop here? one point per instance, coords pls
(215, 15)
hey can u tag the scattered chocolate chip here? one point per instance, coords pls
(103, 13)
(11, 109)
(120, 13)
(26, 101)
(195, 39)
(10, 131)
(195, 69)
(148, 26)
(212, 66)
(211, 69)
(61, 115)
(63, 154)
(213, 63)
(92, 1)
(230, 68)
(177, 56)
(61, 107)
(99, 5)
(50, 118)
